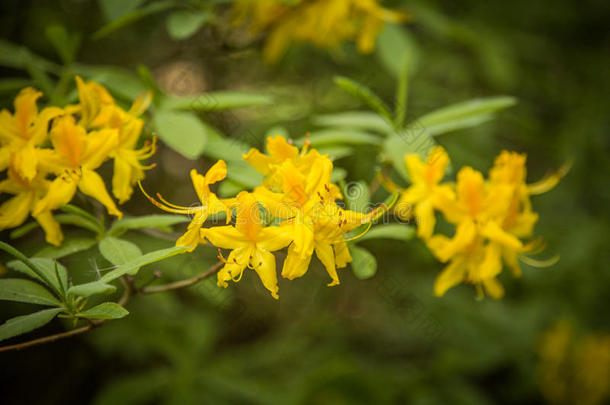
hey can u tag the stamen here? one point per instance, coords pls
(368, 227)
(539, 263)
(387, 183)
(164, 207)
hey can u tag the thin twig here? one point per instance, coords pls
(129, 290)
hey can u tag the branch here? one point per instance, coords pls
(128, 290)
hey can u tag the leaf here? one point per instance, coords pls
(335, 152)
(106, 310)
(467, 110)
(118, 251)
(47, 268)
(341, 136)
(365, 94)
(215, 101)
(18, 57)
(390, 231)
(183, 23)
(114, 9)
(12, 85)
(67, 248)
(393, 44)
(160, 221)
(68, 219)
(402, 93)
(65, 45)
(132, 16)
(21, 290)
(181, 131)
(357, 196)
(74, 210)
(364, 264)
(91, 288)
(132, 266)
(355, 119)
(26, 323)
(219, 146)
(244, 174)
(396, 147)
(119, 81)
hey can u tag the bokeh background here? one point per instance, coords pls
(382, 340)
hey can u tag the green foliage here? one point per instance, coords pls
(364, 264)
(27, 323)
(107, 310)
(182, 131)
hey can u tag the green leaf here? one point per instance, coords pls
(114, 9)
(118, 251)
(160, 221)
(402, 94)
(73, 209)
(355, 119)
(393, 44)
(365, 94)
(21, 290)
(18, 57)
(341, 136)
(68, 219)
(26, 323)
(335, 152)
(363, 262)
(181, 131)
(131, 267)
(410, 141)
(219, 146)
(390, 231)
(121, 82)
(65, 45)
(12, 85)
(67, 248)
(47, 274)
(468, 111)
(132, 16)
(106, 310)
(215, 101)
(184, 23)
(275, 131)
(338, 174)
(357, 196)
(245, 174)
(91, 288)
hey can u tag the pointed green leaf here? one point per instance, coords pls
(47, 269)
(363, 262)
(132, 266)
(181, 131)
(26, 323)
(365, 94)
(390, 231)
(215, 101)
(182, 24)
(357, 196)
(364, 120)
(118, 251)
(396, 147)
(106, 310)
(21, 290)
(394, 43)
(341, 136)
(92, 288)
(67, 248)
(160, 221)
(132, 17)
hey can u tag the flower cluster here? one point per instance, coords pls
(49, 154)
(323, 23)
(294, 207)
(490, 216)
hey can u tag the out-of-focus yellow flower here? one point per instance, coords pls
(323, 23)
(22, 132)
(95, 104)
(74, 157)
(251, 244)
(16, 210)
(425, 191)
(210, 204)
(574, 369)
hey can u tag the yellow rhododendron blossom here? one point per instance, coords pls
(425, 191)
(16, 210)
(74, 157)
(210, 204)
(22, 132)
(251, 244)
(323, 23)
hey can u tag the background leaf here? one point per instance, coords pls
(26, 323)
(106, 310)
(118, 251)
(364, 264)
(181, 131)
(20, 290)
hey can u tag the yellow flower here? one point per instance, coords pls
(251, 244)
(15, 210)
(22, 132)
(210, 204)
(425, 192)
(74, 157)
(323, 23)
(95, 104)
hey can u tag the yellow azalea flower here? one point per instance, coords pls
(324, 23)
(127, 167)
(23, 131)
(210, 204)
(15, 210)
(74, 158)
(251, 244)
(425, 191)
(95, 104)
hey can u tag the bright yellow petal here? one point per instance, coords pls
(225, 237)
(141, 103)
(303, 232)
(25, 161)
(491, 265)
(216, 173)
(26, 109)
(248, 220)
(279, 149)
(52, 230)
(263, 263)
(416, 169)
(445, 248)
(92, 185)
(122, 186)
(494, 232)
(295, 265)
(325, 253)
(424, 214)
(236, 263)
(259, 161)
(192, 237)
(342, 255)
(15, 211)
(493, 288)
(453, 274)
(274, 238)
(98, 146)
(61, 191)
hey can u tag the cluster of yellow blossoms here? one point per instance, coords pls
(323, 23)
(490, 217)
(295, 207)
(50, 154)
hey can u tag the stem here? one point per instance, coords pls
(128, 291)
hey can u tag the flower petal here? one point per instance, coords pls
(325, 253)
(453, 274)
(263, 263)
(92, 185)
(52, 230)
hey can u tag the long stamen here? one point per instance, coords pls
(164, 201)
(164, 207)
(539, 263)
(368, 227)
(306, 145)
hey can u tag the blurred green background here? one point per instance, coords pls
(382, 340)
